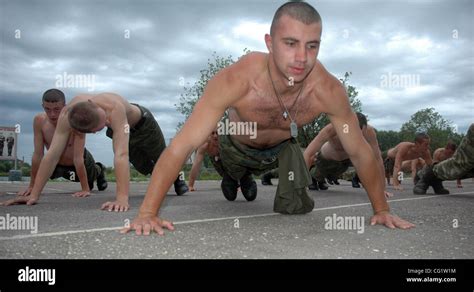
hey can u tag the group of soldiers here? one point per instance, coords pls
(279, 91)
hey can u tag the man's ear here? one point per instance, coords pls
(269, 42)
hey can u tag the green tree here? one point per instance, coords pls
(388, 139)
(431, 122)
(6, 166)
(192, 94)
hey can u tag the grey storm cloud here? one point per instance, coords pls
(144, 50)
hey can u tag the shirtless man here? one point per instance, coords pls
(459, 166)
(302, 89)
(132, 128)
(75, 162)
(329, 157)
(394, 157)
(442, 154)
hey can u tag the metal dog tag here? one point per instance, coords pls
(294, 130)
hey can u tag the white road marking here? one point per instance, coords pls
(60, 233)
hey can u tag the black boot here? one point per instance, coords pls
(427, 179)
(322, 185)
(248, 187)
(180, 187)
(229, 187)
(438, 188)
(101, 181)
(314, 185)
(332, 180)
(267, 179)
(355, 182)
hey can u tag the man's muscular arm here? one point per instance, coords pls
(120, 127)
(220, 93)
(37, 154)
(401, 153)
(374, 144)
(346, 125)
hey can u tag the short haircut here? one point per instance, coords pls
(298, 10)
(362, 119)
(83, 116)
(54, 95)
(420, 137)
(452, 146)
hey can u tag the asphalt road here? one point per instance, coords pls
(208, 226)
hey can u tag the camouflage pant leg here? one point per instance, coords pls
(238, 159)
(328, 168)
(461, 165)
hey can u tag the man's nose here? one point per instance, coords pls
(300, 55)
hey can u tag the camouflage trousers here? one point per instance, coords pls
(461, 165)
(146, 142)
(328, 168)
(238, 159)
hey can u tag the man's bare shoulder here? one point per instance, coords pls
(106, 100)
(39, 118)
(79, 98)
(405, 145)
(254, 59)
(249, 64)
(110, 95)
(232, 83)
(327, 87)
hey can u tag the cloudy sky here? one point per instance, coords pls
(145, 50)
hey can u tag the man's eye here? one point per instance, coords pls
(291, 44)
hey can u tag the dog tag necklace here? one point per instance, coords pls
(286, 112)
